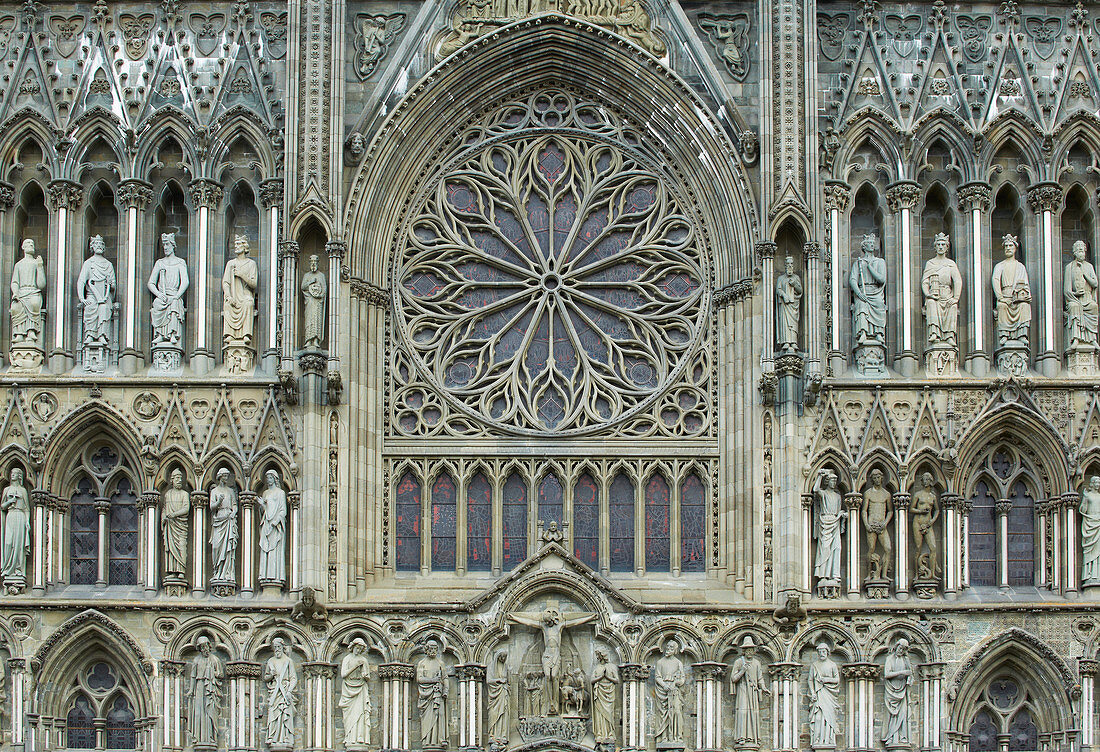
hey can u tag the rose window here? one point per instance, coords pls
(550, 283)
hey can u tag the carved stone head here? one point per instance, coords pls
(223, 476)
(313, 262)
(272, 478)
(28, 247)
(240, 245)
(927, 479)
(1079, 250)
(671, 647)
(1011, 244)
(358, 645)
(876, 478)
(941, 244)
(168, 243)
(17, 476)
(901, 647)
(203, 644)
(789, 265)
(97, 246)
(176, 479)
(822, 650)
(869, 244)
(279, 646)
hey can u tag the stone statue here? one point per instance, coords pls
(176, 509)
(273, 530)
(282, 679)
(1080, 286)
(532, 694)
(28, 281)
(574, 694)
(309, 610)
(239, 296)
(828, 528)
(925, 510)
(897, 676)
(205, 694)
(942, 287)
(552, 623)
(17, 531)
(824, 692)
(354, 695)
(747, 684)
(1012, 293)
(605, 684)
(168, 283)
(96, 290)
(788, 297)
(867, 282)
(223, 529)
(1090, 533)
(876, 512)
(669, 684)
(431, 680)
(496, 694)
(314, 291)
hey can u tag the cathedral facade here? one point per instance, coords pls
(583, 375)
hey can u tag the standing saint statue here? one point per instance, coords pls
(605, 684)
(205, 695)
(239, 296)
(168, 282)
(496, 701)
(1090, 533)
(824, 692)
(28, 281)
(355, 702)
(827, 528)
(177, 507)
(273, 531)
(925, 510)
(552, 623)
(897, 676)
(282, 679)
(669, 683)
(867, 281)
(1079, 287)
(942, 288)
(223, 529)
(1012, 293)
(876, 513)
(431, 681)
(314, 291)
(788, 296)
(747, 684)
(15, 503)
(96, 289)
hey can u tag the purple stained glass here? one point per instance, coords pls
(407, 523)
(479, 516)
(692, 525)
(122, 539)
(983, 537)
(514, 538)
(657, 539)
(83, 535)
(621, 522)
(551, 501)
(1021, 537)
(586, 521)
(444, 521)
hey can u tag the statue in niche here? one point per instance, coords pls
(95, 287)
(168, 282)
(17, 532)
(239, 295)
(355, 702)
(828, 528)
(223, 529)
(282, 679)
(28, 281)
(748, 685)
(1012, 293)
(605, 684)
(925, 510)
(876, 512)
(532, 694)
(942, 287)
(177, 506)
(867, 281)
(824, 693)
(273, 530)
(551, 623)
(314, 291)
(1080, 286)
(897, 676)
(788, 296)
(669, 683)
(1090, 533)
(205, 695)
(496, 694)
(431, 680)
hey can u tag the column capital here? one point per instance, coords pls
(931, 670)
(904, 194)
(172, 668)
(64, 194)
(289, 249)
(243, 670)
(102, 506)
(901, 500)
(200, 500)
(150, 499)
(1003, 506)
(135, 194)
(40, 497)
(974, 195)
(205, 192)
(473, 671)
(765, 250)
(853, 500)
(336, 249)
(860, 670)
(7, 195)
(1088, 666)
(17, 665)
(807, 501)
(403, 671)
(811, 250)
(1045, 196)
(1071, 500)
(951, 501)
(247, 499)
(368, 292)
(789, 670)
(837, 194)
(319, 669)
(634, 671)
(709, 670)
(294, 499)
(271, 193)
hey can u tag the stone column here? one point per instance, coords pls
(206, 196)
(17, 700)
(247, 551)
(134, 196)
(952, 544)
(837, 194)
(244, 704)
(336, 251)
(1087, 668)
(1050, 528)
(852, 502)
(396, 680)
(60, 510)
(471, 705)
(901, 197)
(64, 197)
(1071, 502)
(102, 508)
(288, 329)
(807, 538)
(200, 503)
(785, 721)
(1044, 198)
(41, 501)
(811, 252)
(271, 199)
(172, 706)
(901, 543)
(860, 704)
(320, 708)
(931, 692)
(150, 508)
(1004, 506)
(294, 536)
(966, 505)
(708, 705)
(634, 677)
(765, 254)
(974, 201)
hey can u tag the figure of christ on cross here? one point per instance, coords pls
(552, 622)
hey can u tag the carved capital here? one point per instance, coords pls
(860, 671)
(371, 293)
(289, 249)
(1003, 506)
(102, 506)
(634, 672)
(951, 501)
(135, 194)
(336, 249)
(837, 195)
(1087, 666)
(294, 499)
(271, 193)
(319, 669)
(903, 194)
(473, 671)
(931, 670)
(7, 195)
(172, 668)
(200, 500)
(243, 670)
(786, 670)
(205, 192)
(790, 364)
(853, 500)
(1071, 500)
(901, 500)
(1044, 197)
(150, 499)
(17, 665)
(399, 671)
(807, 501)
(64, 194)
(709, 670)
(765, 249)
(247, 499)
(976, 195)
(42, 498)
(811, 250)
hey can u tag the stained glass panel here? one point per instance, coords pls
(479, 514)
(983, 537)
(586, 521)
(444, 521)
(983, 732)
(121, 732)
(657, 539)
(407, 523)
(122, 539)
(692, 525)
(515, 522)
(1021, 537)
(1023, 736)
(80, 724)
(551, 501)
(83, 535)
(621, 508)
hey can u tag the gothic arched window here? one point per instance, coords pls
(479, 524)
(1006, 710)
(444, 521)
(80, 724)
(101, 699)
(83, 534)
(586, 520)
(657, 524)
(621, 513)
(103, 500)
(407, 517)
(1003, 485)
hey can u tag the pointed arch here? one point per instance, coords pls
(30, 124)
(241, 122)
(1013, 127)
(1021, 427)
(946, 126)
(69, 437)
(1082, 127)
(167, 120)
(874, 128)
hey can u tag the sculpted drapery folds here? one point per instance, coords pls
(670, 682)
(273, 530)
(239, 295)
(1012, 293)
(15, 503)
(96, 289)
(314, 293)
(824, 693)
(174, 518)
(223, 529)
(168, 282)
(1090, 532)
(552, 623)
(28, 281)
(867, 281)
(206, 695)
(496, 701)
(896, 679)
(355, 704)
(942, 288)
(431, 681)
(747, 684)
(828, 526)
(605, 684)
(1080, 284)
(788, 296)
(281, 678)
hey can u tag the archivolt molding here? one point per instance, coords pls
(53, 649)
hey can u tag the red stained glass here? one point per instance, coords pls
(692, 525)
(444, 522)
(657, 539)
(479, 515)
(407, 523)
(586, 521)
(515, 522)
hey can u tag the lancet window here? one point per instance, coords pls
(1002, 520)
(100, 709)
(104, 521)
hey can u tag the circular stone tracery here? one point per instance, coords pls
(549, 282)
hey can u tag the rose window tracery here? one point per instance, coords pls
(550, 280)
